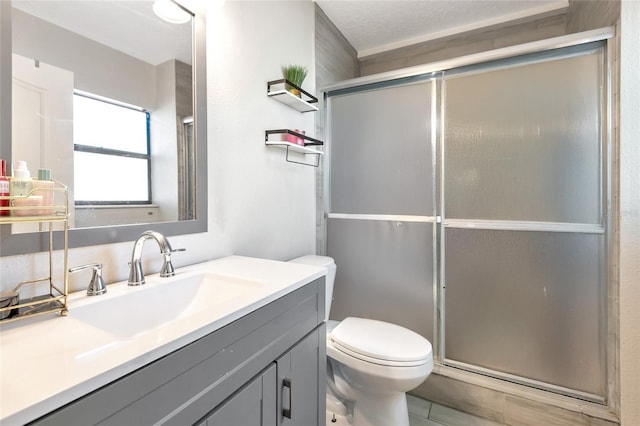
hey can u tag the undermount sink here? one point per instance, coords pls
(128, 311)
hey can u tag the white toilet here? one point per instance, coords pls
(371, 365)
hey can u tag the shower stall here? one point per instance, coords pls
(469, 200)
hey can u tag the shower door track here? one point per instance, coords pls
(524, 381)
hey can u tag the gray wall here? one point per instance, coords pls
(588, 15)
(581, 16)
(336, 60)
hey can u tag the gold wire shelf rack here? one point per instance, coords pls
(18, 210)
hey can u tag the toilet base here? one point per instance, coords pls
(371, 409)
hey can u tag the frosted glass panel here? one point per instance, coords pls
(381, 151)
(523, 143)
(385, 272)
(528, 303)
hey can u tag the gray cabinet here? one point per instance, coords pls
(253, 405)
(286, 394)
(224, 374)
(300, 385)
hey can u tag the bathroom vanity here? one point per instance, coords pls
(258, 360)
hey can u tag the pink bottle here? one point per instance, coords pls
(4, 189)
(292, 138)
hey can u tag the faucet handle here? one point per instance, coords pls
(96, 284)
(167, 269)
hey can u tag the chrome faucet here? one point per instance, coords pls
(96, 286)
(136, 276)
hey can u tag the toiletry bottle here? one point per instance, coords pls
(21, 183)
(43, 186)
(4, 189)
(292, 138)
(20, 187)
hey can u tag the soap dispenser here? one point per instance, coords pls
(20, 189)
(21, 183)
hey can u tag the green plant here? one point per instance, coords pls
(295, 74)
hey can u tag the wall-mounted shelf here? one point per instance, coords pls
(278, 138)
(277, 89)
(55, 299)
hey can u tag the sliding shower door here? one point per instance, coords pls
(470, 207)
(523, 247)
(381, 225)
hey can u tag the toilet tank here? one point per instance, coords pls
(327, 263)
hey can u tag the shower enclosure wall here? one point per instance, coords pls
(469, 203)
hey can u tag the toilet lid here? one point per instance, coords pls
(381, 341)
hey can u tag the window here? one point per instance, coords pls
(111, 152)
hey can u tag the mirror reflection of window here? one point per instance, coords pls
(111, 152)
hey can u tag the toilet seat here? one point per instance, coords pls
(380, 343)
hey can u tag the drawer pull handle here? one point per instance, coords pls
(286, 383)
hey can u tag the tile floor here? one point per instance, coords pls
(425, 413)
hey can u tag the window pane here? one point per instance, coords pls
(101, 177)
(523, 143)
(101, 124)
(531, 304)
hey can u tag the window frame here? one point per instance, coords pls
(118, 153)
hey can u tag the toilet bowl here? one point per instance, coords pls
(370, 364)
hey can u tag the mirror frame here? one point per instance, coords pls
(17, 244)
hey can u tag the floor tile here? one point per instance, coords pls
(450, 417)
(418, 407)
(419, 421)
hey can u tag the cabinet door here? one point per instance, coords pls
(301, 381)
(253, 405)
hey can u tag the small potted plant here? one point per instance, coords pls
(296, 75)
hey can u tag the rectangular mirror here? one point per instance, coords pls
(112, 99)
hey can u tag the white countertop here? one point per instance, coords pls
(49, 361)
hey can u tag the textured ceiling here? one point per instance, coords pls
(371, 26)
(374, 26)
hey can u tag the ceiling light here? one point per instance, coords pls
(171, 12)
